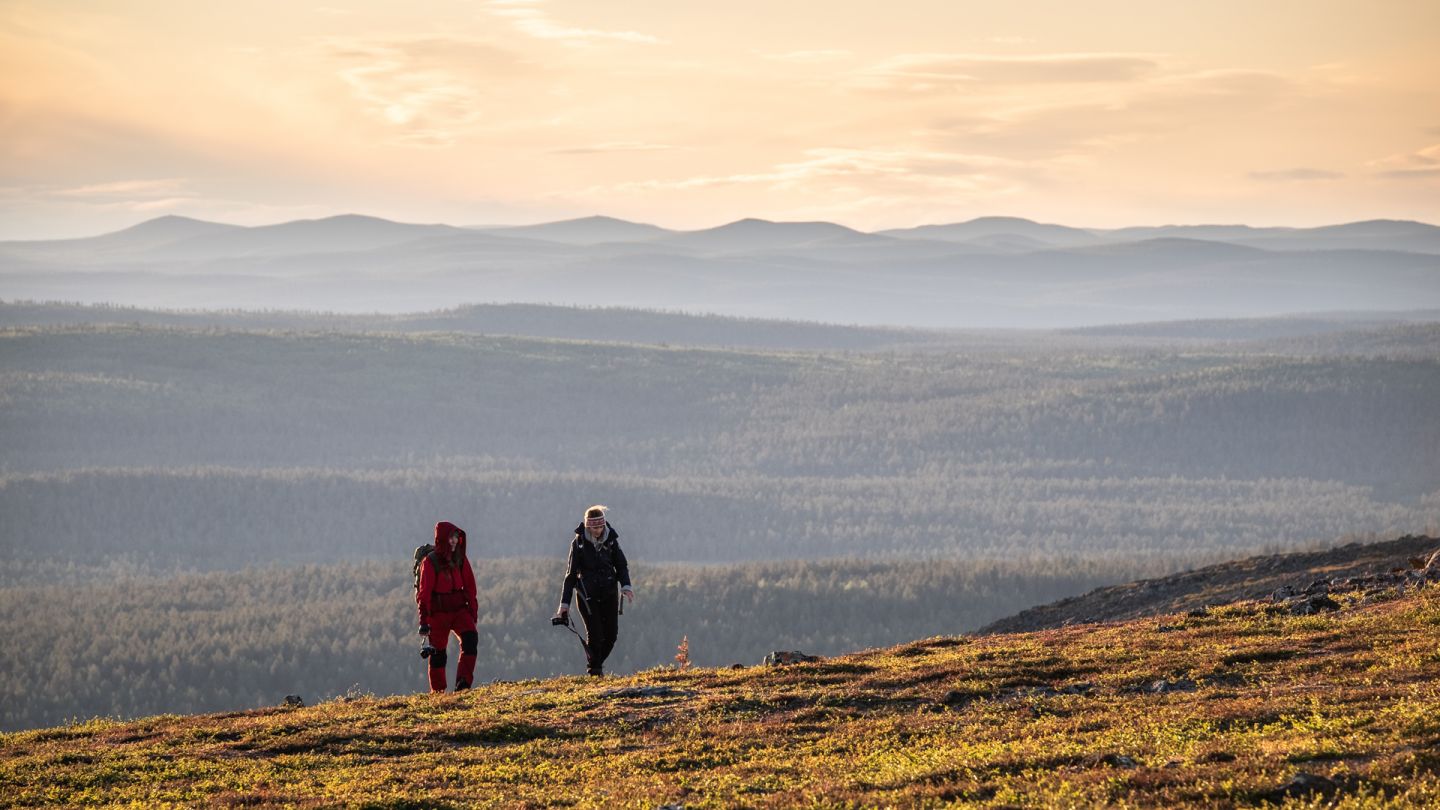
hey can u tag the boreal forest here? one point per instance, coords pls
(205, 511)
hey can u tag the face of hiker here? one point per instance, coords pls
(596, 532)
(454, 541)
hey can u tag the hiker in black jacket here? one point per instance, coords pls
(595, 567)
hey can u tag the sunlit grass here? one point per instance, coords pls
(1051, 719)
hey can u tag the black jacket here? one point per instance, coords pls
(595, 570)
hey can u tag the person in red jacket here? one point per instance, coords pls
(446, 598)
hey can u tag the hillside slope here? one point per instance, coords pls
(1250, 578)
(1236, 706)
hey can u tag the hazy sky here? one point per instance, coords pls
(688, 115)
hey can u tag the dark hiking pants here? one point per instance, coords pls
(601, 616)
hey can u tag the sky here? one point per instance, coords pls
(687, 115)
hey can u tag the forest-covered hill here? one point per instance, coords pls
(1246, 705)
(606, 325)
(126, 441)
(139, 458)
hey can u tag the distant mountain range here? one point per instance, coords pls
(987, 272)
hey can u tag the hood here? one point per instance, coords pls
(443, 530)
(581, 534)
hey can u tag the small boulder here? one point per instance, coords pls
(957, 699)
(1112, 760)
(1162, 686)
(1313, 605)
(788, 657)
(1303, 784)
(294, 702)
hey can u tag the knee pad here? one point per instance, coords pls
(469, 642)
(437, 659)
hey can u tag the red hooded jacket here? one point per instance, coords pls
(447, 583)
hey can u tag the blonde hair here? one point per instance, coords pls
(598, 510)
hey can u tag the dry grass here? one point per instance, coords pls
(1262, 703)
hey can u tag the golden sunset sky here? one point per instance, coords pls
(689, 115)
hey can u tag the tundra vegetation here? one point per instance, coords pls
(1242, 705)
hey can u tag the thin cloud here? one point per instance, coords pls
(426, 88)
(811, 57)
(1112, 117)
(146, 196)
(1290, 175)
(164, 204)
(128, 189)
(934, 170)
(1409, 174)
(1229, 82)
(530, 19)
(1422, 164)
(931, 72)
(618, 146)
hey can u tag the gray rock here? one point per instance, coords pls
(1113, 760)
(1182, 685)
(788, 657)
(1313, 605)
(1433, 563)
(1304, 784)
(294, 702)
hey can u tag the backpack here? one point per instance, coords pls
(421, 552)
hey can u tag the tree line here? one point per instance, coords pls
(226, 518)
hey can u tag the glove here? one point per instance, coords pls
(424, 629)
(559, 619)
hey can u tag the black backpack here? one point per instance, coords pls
(421, 553)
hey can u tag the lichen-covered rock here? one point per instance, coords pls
(788, 657)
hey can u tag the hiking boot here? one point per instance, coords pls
(461, 686)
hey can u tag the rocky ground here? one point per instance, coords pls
(1286, 577)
